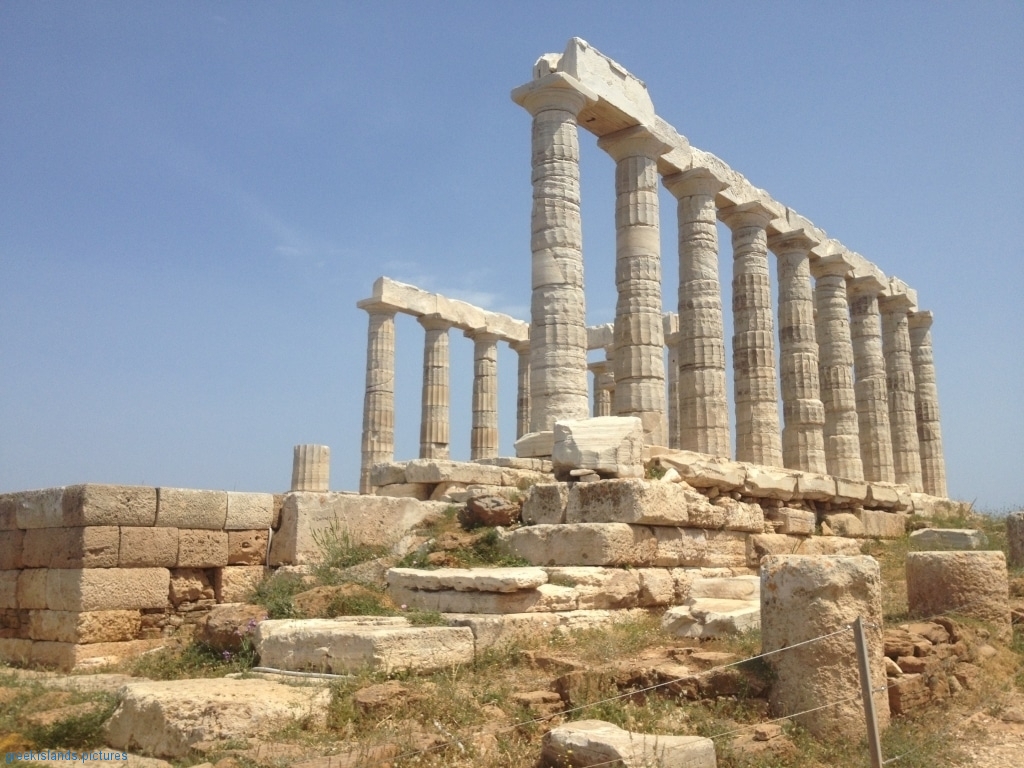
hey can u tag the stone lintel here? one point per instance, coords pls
(636, 141)
(600, 336)
(556, 90)
(792, 240)
(836, 264)
(866, 284)
(752, 213)
(922, 318)
(696, 181)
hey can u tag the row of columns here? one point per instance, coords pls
(851, 402)
(378, 444)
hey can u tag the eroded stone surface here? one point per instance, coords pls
(595, 742)
(612, 446)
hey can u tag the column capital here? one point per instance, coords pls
(921, 320)
(833, 265)
(866, 285)
(598, 367)
(554, 91)
(636, 141)
(481, 334)
(896, 303)
(377, 307)
(696, 181)
(796, 240)
(434, 322)
(752, 214)
(522, 346)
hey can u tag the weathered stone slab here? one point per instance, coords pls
(31, 589)
(545, 504)
(764, 483)
(760, 545)
(37, 509)
(535, 445)
(250, 511)
(70, 656)
(657, 587)
(794, 522)
(364, 519)
(851, 491)
(91, 504)
(882, 496)
(595, 742)
(169, 718)
(727, 588)
(10, 549)
(612, 446)
(247, 547)
(419, 491)
(495, 630)
(235, 583)
(101, 589)
(599, 588)
(925, 505)
(148, 547)
(15, 651)
(709, 617)
(199, 548)
(468, 579)
(842, 524)
(338, 645)
(437, 471)
(971, 584)
(512, 462)
(547, 597)
(9, 589)
(190, 585)
(698, 547)
(94, 547)
(387, 473)
(522, 479)
(815, 487)
(583, 544)
(191, 508)
(883, 525)
(948, 538)
(84, 626)
(702, 471)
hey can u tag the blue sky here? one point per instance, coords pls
(194, 195)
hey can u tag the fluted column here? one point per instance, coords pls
(638, 333)
(522, 350)
(758, 437)
(311, 468)
(378, 444)
(929, 430)
(558, 333)
(901, 387)
(869, 386)
(483, 441)
(604, 384)
(703, 400)
(672, 372)
(434, 421)
(835, 367)
(803, 442)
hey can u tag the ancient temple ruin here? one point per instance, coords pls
(856, 373)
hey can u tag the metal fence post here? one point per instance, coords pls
(874, 743)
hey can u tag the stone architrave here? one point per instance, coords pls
(803, 442)
(672, 342)
(379, 400)
(558, 332)
(522, 350)
(434, 421)
(869, 378)
(835, 367)
(639, 333)
(311, 468)
(483, 442)
(758, 439)
(929, 430)
(895, 305)
(604, 383)
(703, 402)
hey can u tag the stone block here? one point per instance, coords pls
(169, 718)
(190, 585)
(10, 549)
(948, 539)
(523, 479)
(437, 471)
(8, 512)
(761, 545)
(496, 630)
(599, 588)
(84, 626)
(200, 548)
(882, 496)
(15, 651)
(583, 544)
(545, 503)
(247, 547)
(513, 462)
(93, 547)
(9, 589)
(973, 584)
(77, 656)
(535, 445)
(250, 511)
(851, 491)
(709, 617)
(1015, 539)
(908, 693)
(843, 524)
(419, 491)
(364, 519)
(657, 587)
(31, 589)
(702, 471)
(794, 522)
(727, 588)
(387, 473)
(804, 598)
(102, 589)
(38, 509)
(191, 508)
(699, 548)
(468, 579)
(611, 446)
(445, 492)
(148, 547)
(341, 646)
(235, 583)
(547, 597)
(595, 742)
(815, 487)
(764, 483)
(92, 504)
(934, 506)
(883, 525)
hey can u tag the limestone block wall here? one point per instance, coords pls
(93, 573)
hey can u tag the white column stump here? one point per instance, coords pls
(311, 468)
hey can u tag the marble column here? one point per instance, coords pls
(558, 332)
(483, 441)
(803, 442)
(434, 421)
(758, 438)
(522, 350)
(835, 367)
(604, 384)
(929, 431)
(870, 391)
(901, 387)
(638, 333)
(672, 373)
(703, 400)
(311, 468)
(378, 443)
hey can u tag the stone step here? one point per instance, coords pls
(727, 588)
(387, 644)
(712, 617)
(496, 630)
(468, 579)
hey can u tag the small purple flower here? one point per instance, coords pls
(226, 655)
